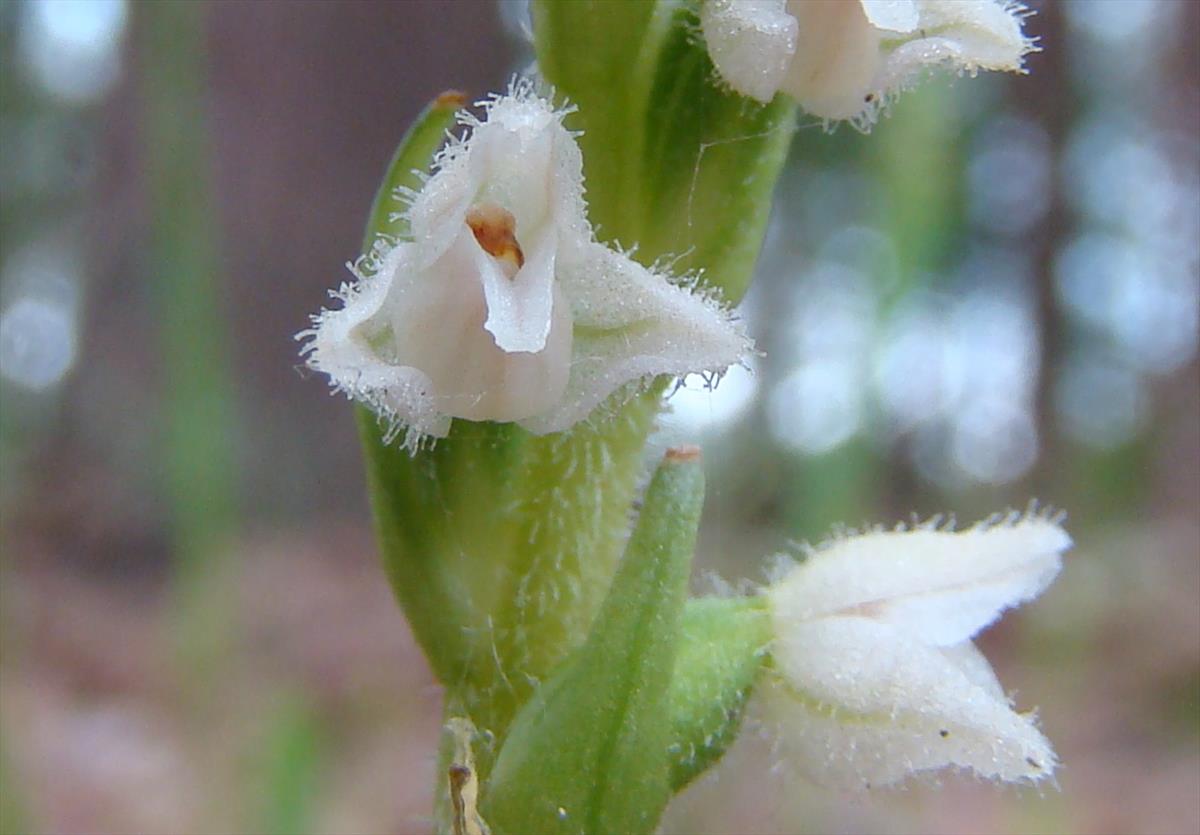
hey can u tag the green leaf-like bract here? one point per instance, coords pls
(722, 646)
(675, 164)
(589, 752)
(410, 161)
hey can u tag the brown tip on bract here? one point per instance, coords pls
(451, 100)
(686, 452)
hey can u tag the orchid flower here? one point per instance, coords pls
(503, 306)
(843, 59)
(875, 674)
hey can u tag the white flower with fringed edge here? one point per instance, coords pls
(843, 59)
(875, 676)
(503, 306)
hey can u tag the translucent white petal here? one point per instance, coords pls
(837, 56)
(858, 703)
(341, 348)
(515, 162)
(631, 324)
(436, 319)
(520, 158)
(410, 342)
(978, 670)
(943, 587)
(987, 32)
(751, 43)
(961, 35)
(520, 308)
(901, 16)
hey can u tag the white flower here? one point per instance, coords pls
(843, 59)
(875, 676)
(503, 306)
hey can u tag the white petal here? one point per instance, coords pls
(520, 309)
(436, 319)
(987, 32)
(842, 59)
(901, 16)
(410, 343)
(631, 324)
(520, 158)
(342, 349)
(522, 161)
(857, 703)
(837, 56)
(751, 43)
(942, 586)
(961, 35)
(514, 161)
(978, 670)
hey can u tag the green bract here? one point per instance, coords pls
(588, 753)
(676, 166)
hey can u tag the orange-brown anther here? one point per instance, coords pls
(495, 229)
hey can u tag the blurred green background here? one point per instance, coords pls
(994, 296)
